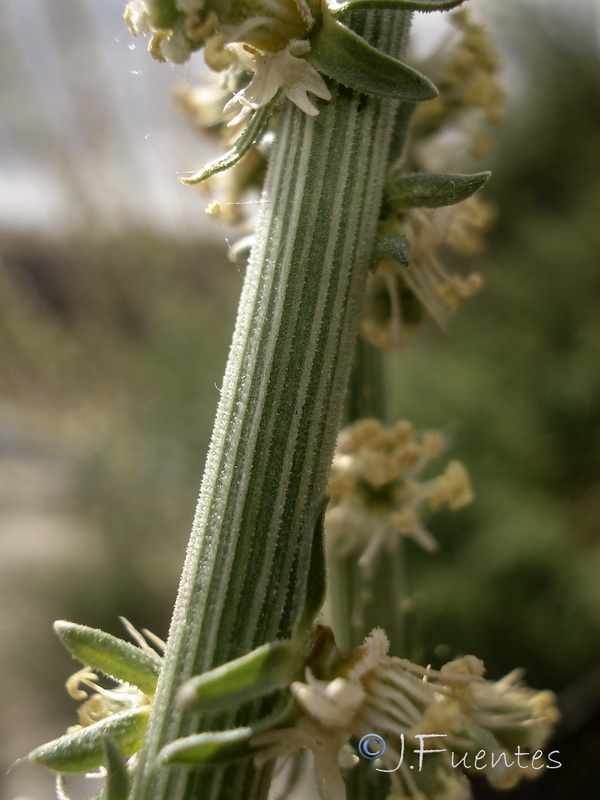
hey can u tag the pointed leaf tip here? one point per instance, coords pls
(432, 190)
(219, 747)
(394, 247)
(347, 58)
(247, 138)
(260, 672)
(112, 656)
(83, 750)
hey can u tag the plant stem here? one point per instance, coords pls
(244, 579)
(357, 603)
(367, 396)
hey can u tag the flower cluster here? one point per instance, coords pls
(117, 715)
(397, 296)
(400, 294)
(181, 26)
(377, 493)
(283, 70)
(266, 38)
(454, 710)
(104, 703)
(272, 48)
(203, 106)
(471, 97)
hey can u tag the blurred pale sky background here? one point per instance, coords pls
(88, 129)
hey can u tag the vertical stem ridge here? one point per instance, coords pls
(279, 412)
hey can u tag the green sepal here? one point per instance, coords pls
(263, 671)
(397, 5)
(83, 750)
(432, 190)
(346, 57)
(117, 778)
(112, 656)
(248, 137)
(221, 747)
(394, 247)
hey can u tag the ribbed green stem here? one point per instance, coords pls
(281, 404)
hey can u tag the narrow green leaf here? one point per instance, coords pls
(404, 5)
(347, 58)
(432, 191)
(249, 136)
(221, 747)
(117, 779)
(395, 247)
(84, 749)
(111, 656)
(209, 748)
(263, 671)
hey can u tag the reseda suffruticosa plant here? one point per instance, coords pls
(249, 677)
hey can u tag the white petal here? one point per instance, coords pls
(278, 70)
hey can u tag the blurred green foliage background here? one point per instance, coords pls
(112, 346)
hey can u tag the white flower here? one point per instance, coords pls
(175, 47)
(400, 705)
(274, 71)
(377, 493)
(103, 703)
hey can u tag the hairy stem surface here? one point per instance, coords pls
(244, 578)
